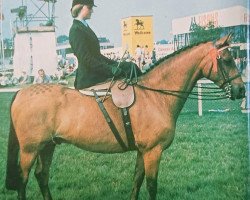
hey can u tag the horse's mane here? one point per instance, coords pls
(175, 53)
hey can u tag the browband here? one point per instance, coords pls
(215, 55)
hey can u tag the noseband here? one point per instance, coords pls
(216, 59)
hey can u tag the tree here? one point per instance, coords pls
(22, 12)
(204, 33)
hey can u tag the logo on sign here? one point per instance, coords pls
(139, 24)
(125, 25)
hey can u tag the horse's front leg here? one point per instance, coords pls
(138, 177)
(151, 164)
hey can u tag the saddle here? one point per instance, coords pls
(122, 94)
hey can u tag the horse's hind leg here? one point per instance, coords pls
(151, 164)
(138, 176)
(26, 161)
(42, 169)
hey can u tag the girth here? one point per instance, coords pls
(126, 122)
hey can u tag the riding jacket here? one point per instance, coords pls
(93, 67)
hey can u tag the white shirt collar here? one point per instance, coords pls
(83, 21)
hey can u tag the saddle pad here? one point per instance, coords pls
(101, 89)
(122, 98)
(90, 93)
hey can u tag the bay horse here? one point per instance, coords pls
(43, 113)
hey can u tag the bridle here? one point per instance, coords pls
(217, 59)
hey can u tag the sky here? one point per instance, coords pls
(107, 15)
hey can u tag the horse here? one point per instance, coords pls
(44, 113)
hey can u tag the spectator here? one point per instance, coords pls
(60, 73)
(153, 57)
(14, 80)
(146, 53)
(24, 78)
(4, 80)
(138, 55)
(143, 62)
(127, 56)
(42, 77)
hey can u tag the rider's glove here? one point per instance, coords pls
(116, 71)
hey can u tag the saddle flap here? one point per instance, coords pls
(122, 97)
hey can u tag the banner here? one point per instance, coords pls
(227, 17)
(137, 30)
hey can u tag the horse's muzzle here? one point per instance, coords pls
(238, 91)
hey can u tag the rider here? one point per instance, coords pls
(93, 67)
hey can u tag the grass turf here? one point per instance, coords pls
(207, 160)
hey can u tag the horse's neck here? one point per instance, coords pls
(178, 73)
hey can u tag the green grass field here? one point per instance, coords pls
(207, 160)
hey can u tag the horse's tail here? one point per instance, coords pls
(12, 170)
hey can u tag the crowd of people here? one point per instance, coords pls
(143, 57)
(7, 78)
(113, 56)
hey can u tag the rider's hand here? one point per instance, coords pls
(116, 71)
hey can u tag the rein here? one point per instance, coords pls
(184, 94)
(216, 57)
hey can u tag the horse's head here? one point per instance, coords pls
(220, 68)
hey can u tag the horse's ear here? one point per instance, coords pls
(226, 40)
